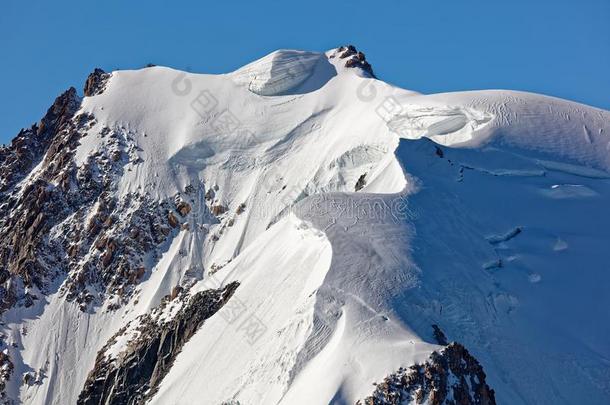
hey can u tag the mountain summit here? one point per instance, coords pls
(300, 232)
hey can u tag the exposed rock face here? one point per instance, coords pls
(28, 147)
(183, 208)
(354, 58)
(439, 335)
(449, 377)
(25, 210)
(66, 219)
(63, 219)
(6, 368)
(218, 209)
(96, 82)
(60, 218)
(360, 183)
(134, 375)
(28, 208)
(112, 245)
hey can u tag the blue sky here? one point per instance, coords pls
(555, 47)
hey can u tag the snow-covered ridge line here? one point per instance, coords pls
(547, 127)
(311, 183)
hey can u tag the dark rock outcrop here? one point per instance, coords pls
(111, 247)
(355, 59)
(134, 376)
(360, 183)
(450, 376)
(27, 208)
(347, 51)
(6, 368)
(30, 145)
(183, 208)
(100, 240)
(96, 82)
(439, 335)
(218, 209)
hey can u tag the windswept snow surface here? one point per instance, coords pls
(342, 287)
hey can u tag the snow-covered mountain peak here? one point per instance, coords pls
(299, 223)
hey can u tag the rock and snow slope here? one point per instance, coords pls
(352, 215)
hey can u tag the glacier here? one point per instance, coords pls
(353, 214)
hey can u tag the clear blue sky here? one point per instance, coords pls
(555, 47)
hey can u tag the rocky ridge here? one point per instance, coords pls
(451, 376)
(61, 220)
(353, 58)
(133, 375)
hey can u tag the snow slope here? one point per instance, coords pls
(354, 215)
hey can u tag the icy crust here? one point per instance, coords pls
(546, 127)
(278, 72)
(511, 272)
(446, 125)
